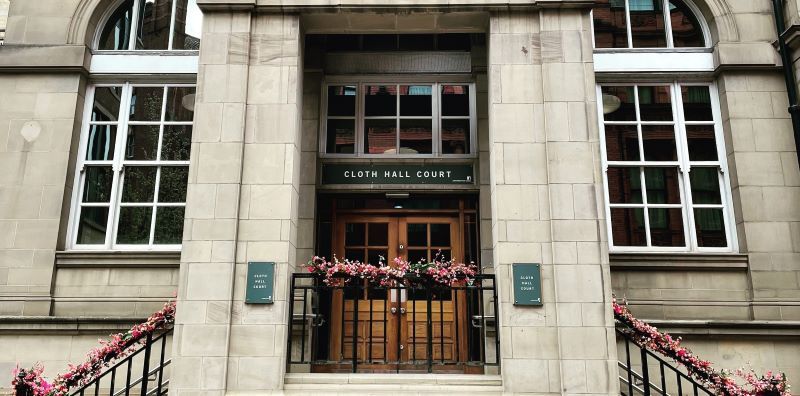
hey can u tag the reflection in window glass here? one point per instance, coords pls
(627, 227)
(710, 227)
(455, 100)
(97, 186)
(619, 103)
(455, 136)
(380, 100)
(180, 104)
(380, 136)
(172, 184)
(146, 103)
(686, 31)
(416, 136)
(134, 225)
(140, 184)
(702, 143)
(106, 104)
(341, 136)
(415, 100)
(176, 143)
(142, 143)
(666, 227)
(622, 143)
(188, 26)
(647, 24)
(659, 143)
(610, 24)
(92, 225)
(169, 225)
(655, 103)
(696, 103)
(342, 100)
(116, 34)
(155, 18)
(100, 142)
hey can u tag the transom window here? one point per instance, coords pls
(133, 167)
(665, 174)
(152, 25)
(646, 24)
(407, 119)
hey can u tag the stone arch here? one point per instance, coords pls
(720, 20)
(85, 20)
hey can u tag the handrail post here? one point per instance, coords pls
(22, 388)
(645, 373)
(146, 367)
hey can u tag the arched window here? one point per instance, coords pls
(646, 24)
(152, 25)
(133, 158)
(666, 182)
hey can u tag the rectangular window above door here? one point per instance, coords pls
(390, 120)
(133, 167)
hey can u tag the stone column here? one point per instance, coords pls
(547, 205)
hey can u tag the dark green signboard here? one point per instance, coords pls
(527, 284)
(260, 283)
(397, 174)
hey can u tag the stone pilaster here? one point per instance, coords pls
(546, 189)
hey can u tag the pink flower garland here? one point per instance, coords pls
(723, 382)
(117, 347)
(341, 272)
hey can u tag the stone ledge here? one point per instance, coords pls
(112, 259)
(281, 6)
(729, 327)
(63, 325)
(44, 58)
(678, 262)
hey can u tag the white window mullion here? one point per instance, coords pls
(667, 23)
(172, 24)
(628, 23)
(134, 24)
(118, 166)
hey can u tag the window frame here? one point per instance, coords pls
(684, 165)
(117, 165)
(104, 19)
(702, 24)
(436, 82)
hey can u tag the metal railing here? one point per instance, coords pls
(142, 372)
(644, 373)
(421, 327)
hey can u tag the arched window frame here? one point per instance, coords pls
(676, 68)
(665, 59)
(128, 69)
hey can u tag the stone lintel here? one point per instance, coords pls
(44, 58)
(282, 6)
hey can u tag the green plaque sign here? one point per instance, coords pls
(527, 284)
(397, 174)
(260, 283)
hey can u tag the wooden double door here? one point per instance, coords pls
(409, 329)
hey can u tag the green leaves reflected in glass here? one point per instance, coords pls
(140, 184)
(176, 143)
(134, 225)
(92, 226)
(172, 187)
(169, 225)
(97, 184)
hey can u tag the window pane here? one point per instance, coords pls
(618, 104)
(455, 136)
(686, 30)
(380, 136)
(622, 143)
(342, 100)
(146, 103)
(155, 17)
(341, 136)
(176, 143)
(662, 185)
(702, 143)
(709, 225)
(416, 100)
(377, 257)
(655, 103)
(169, 226)
(354, 254)
(380, 100)
(142, 143)
(647, 24)
(140, 184)
(116, 33)
(627, 227)
(134, 225)
(101, 142)
(624, 185)
(188, 25)
(92, 226)
(180, 104)
(416, 136)
(354, 234)
(440, 235)
(417, 42)
(106, 103)
(97, 184)
(659, 143)
(696, 103)
(610, 25)
(455, 100)
(172, 187)
(417, 255)
(417, 234)
(666, 227)
(705, 185)
(378, 234)
(379, 42)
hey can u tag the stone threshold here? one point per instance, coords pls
(393, 383)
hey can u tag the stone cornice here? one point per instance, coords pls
(678, 262)
(62, 325)
(281, 6)
(756, 328)
(44, 58)
(80, 259)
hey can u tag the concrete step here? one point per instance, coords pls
(385, 384)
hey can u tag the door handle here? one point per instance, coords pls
(402, 311)
(393, 310)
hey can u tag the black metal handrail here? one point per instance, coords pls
(152, 369)
(426, 341)
(643, 372)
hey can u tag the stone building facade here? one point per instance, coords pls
(637, 148)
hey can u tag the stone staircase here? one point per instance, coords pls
(389, 384)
